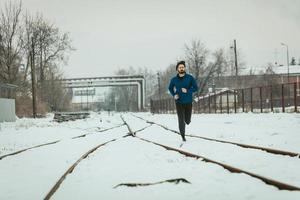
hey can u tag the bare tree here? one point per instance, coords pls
(48, 47)
(57, 97)
(196, 54)
(51, 47)
(10, 42)
(221, 63)
(217, 68)
(31, 41)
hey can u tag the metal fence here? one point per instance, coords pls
(264, 99)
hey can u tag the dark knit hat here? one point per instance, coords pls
(180, 63)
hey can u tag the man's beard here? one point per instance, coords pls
(181, 72)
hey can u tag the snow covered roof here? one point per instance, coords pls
(210, 94)
(277, 69)
(293, 69)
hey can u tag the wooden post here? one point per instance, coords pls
(282, 98)
(227, 102)
(295, 96)
(204, 106)
(208, 103)
(221, 108)
(198, 105)
(234, 94)
(215, 102)
(243, 100)
(260, 99)
(251, 99)
(271, 97)
(151, 106)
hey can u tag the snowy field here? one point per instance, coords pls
(31, 174)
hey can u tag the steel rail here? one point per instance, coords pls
(71, 169)
(269, 150)
(269, 181)
(54, 142)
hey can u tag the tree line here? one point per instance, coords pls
(31, 50)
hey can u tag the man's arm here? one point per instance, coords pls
(171, 90)
(171, 87)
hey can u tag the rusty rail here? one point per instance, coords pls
(71, 169)
(269, 181)
(269, 150)
(54, 142)
(34, 147)
(277, 184)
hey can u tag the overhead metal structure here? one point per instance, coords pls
(124, 80)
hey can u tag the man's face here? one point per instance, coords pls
(181, 69)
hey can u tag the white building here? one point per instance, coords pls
(7, 104)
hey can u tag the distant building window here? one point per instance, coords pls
(85, 92)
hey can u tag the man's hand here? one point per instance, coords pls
(184, 90)
(176, 96)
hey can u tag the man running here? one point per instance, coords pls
(182, 87)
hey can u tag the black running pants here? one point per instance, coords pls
(184, 113)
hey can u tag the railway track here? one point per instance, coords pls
(72, 167)
(278, 184)
(84, 156)
(133, 133)
(54, 142)
(266, 149)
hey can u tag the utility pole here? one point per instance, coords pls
(33, 81)
(235, 59)
(158, 82)
(235, 62)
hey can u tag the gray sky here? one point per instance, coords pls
(112, 34)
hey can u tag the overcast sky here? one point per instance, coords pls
(112, 34)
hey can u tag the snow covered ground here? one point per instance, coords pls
(32, 173)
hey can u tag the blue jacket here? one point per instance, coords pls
(188, 82)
